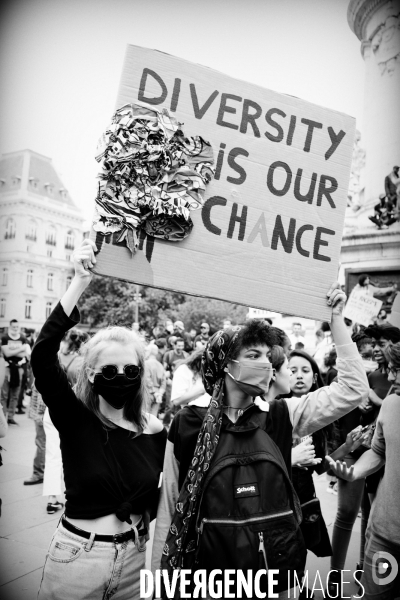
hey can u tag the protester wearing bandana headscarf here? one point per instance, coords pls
(240, 365)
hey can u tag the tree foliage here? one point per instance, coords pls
(108, 301)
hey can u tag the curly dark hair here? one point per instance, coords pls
(362, 279)
(361, 339)
(193, 361)
(255, 333)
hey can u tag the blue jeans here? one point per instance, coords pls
(75, 569)
(375, 586)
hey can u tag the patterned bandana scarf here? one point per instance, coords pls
(182, 536)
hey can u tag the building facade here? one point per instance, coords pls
(365, 248)
(39, 229)
(376, 23)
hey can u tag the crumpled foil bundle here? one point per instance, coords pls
(151, 176)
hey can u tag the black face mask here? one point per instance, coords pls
(116, 391)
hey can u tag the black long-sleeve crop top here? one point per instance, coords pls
(104, 468)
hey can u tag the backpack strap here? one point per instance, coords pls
(260, 419)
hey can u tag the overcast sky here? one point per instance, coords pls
(61, 61)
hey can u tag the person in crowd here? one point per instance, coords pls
(226, 323)
(156, 377)
(199, 345)
(112, 453)
(3, 423)
(36, 412)
(237, 370)
(381, 318)
(161, 344)
(365, 286)
(23, 388)
(330, 363)
(174, 356)
(3, 433)
(171, 359)
(16, 352)
(383, 533)
(350, 494)
(319, 338)
(187, 384)
(296, 335)
(305, 378)
(69, 357)
(179, 332)
(204, 334)
(323, 349)
(391, 184)
(299, 346)
(365, 346)
(53, 478)
(169, 326)
(383, 337)
(283, 340)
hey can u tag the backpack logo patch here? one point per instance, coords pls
(246, 489)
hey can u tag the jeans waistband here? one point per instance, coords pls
(117, 538)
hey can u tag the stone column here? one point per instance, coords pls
(376, 23)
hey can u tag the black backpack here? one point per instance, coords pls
(249, 513)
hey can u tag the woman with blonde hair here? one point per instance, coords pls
(112, 453)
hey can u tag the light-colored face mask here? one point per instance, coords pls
(251, 377)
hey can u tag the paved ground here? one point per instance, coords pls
(26, 529)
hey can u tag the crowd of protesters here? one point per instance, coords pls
(339, 397)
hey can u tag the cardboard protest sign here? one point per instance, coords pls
(394, 318)
(269, 232)
(361, 308)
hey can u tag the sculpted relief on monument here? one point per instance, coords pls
(386, 45)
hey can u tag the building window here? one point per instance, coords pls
(10, 229)
(51, 236)
(33, 182)
(28, 309)
(4, 276)
(63, 193)
(2, 307)
(29, 278)
(49, 187)
(16, 181)
(31, 231)
(68, 281)
(49, 253)
(50, 281)
(68, 256)
(48, 309)
(70, 240)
